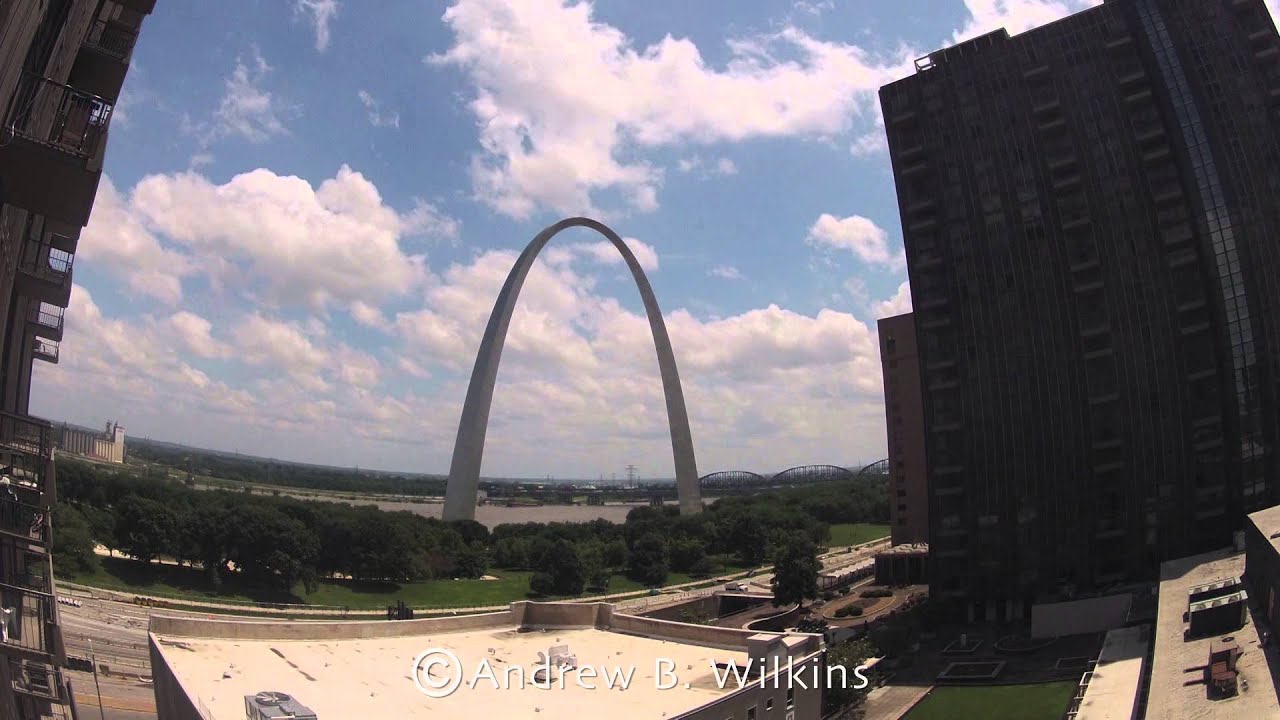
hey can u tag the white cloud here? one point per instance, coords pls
(412, 368)
(1016, 16)
(813, 7)
(872, 143)
(196, 335)
(727, 272)
(247, 108)
(288, 242)
(118, 241)
(377, 117)
(427, 219)
(368, 315)
(604, 252)
(857, 234)
(321, 13)
(898, 304)
(563, 99)
(722, 167)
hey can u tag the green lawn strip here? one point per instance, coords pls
(192, 585)
(856, 533)
(1041, 701)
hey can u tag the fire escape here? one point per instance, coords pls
(31, 649)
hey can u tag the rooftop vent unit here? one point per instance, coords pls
(275, 706)
(1208, 591)
(1218, 615)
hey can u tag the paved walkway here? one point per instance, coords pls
(632, 600)
(893, 701)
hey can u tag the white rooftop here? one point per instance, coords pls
(1177, 691)
(1113, 687)
(373, 677)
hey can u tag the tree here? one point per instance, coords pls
(472, 562)
(72, 540)
(563, 574)
(748, 537)
(649, 560)
(615, 553)
(795, 571)
(686, 554)
(844, 696)
(145, 528)
(593, 567)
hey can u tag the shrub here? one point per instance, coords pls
(827, 595)
(854, 611)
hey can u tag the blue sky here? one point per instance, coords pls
(308, 208)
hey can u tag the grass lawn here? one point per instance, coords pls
(856, 533)
(1043, 701)
(157, 580)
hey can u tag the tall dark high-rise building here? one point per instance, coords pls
(1093, 239)
(904, 425)
(62, 65)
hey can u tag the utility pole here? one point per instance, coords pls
(94, 659)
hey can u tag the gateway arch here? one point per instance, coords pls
(468, 450)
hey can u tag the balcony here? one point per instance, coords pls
(44, 272)
(42, 681)
(25, 434)
(44, 349)
(31, 631)
(51, 149)
(23, 520)
(46, 320)
(103, 61)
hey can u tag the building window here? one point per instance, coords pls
(768, 704)
(890, 344)
(791, 698)
(751, 713)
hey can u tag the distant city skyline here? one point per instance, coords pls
(307, 211)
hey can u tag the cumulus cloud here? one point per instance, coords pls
(857, 234)
(722, 167)
(1016, 16)
(562, 98)
(247, 109)
(117, 240)
(196, 335)
(727, 272)
(321, 13)
(378, 117)
(898, 304)
(291, 243)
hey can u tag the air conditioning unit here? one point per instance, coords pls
(271, 705)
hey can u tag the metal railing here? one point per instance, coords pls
(58, 116)
(45, 349)
(47, 315)
(23, 519)
(40, 680)
(26, 434)
(27, 624)
(42, 260)
(111, 38)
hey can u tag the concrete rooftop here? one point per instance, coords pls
(372, 678)
(1176, 688)
(355, 675)
(1268, 523)
(1113, 687)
